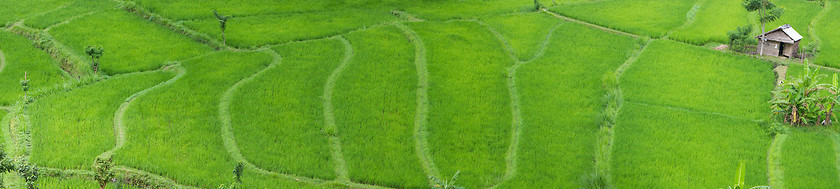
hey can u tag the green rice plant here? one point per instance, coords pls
(712, 21)
(14, 10)
(74, 8)
(560, 99)
(469, 113)
(252, 179)
(174, 131)
(665, 147)
(375, 102)
(133, 44)
(652, 18)
(278, 117)
(674, 74)
(446, 184)
(70, 129)
(829, 37)
(261, 30)
(525, 32)
(67, 183)
(808, 159)
(19, 57)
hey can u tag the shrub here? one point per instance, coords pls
(805, 101)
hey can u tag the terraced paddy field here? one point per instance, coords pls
(404, 94)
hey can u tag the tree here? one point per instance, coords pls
(222, 22)
(537, 5)
(95, 53)
(740, 35)
(768, 12)
(237, 171)
(24, 84)
(102, 171)
(805, 100)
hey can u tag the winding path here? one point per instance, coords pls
(2, 61)
(516, 114)
(775, 174)
(421, 141)
(119, 127)
(329, 117)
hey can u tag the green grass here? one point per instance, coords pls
(53, 182)
(175, 131)
(71, 129)
(712, 21)
(74, 8)
(674, 74)
(809, 160)
(658, 147)
(829, 37)
(15, 10)
(21, 57)
(561, 99)
(653, 18)
(130, 42)
(524, 32)
(469, 114)
(375, 102)
(278, 118)
(273, 29)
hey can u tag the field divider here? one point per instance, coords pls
(68, 20)
(590, 24)
(775, 173)
(69, 63)
(421, 142)
(690, 17)
(2, 61)
(119, 126)
(811, 30)
(329, 117)
(836, 141)
(516, 113)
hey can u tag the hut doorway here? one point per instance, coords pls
(781, 49)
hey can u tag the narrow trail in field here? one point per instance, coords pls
(811, 27)
(775, 173)
(421, 142)
(2, 61)
(691, 110)
(329, 118)
(516, 113)
(119, 126)
(590, 24)
(836, 141)
(689, 18)
(69, 20)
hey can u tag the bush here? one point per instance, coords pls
(806, 101)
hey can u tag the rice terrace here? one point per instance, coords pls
(420, 94)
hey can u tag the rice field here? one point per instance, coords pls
(386, 94)
(829, 37)
(19, 58)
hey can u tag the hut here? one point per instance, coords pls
(782, 42)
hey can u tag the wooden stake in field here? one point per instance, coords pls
(222, 22)
(24, 85)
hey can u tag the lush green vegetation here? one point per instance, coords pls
(829, 37)
(712, 21)
(809, 159)
(14, 10)
(524, 32)
(20, 57)
(555, 151)
(798, 13)
(702, 80)
(71, 128)
(71, 9)
(131, 43)
(652, 18)
(289, 98)
(174, 131)
(375, 103)
(469, 117)
(664, 147)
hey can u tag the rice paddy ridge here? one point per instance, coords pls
(421, 142)
(119, 127)
(775, 173)
(689, 18)
(62, 54)
(2, 61)
(516, 121)
(68, 20)
(590, 24)
(329, 117)
(811, 30)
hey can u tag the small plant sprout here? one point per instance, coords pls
(24, 85)
(95, 53)
(446, 184)
(102, 171)
(222, 24)
(237, 171)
